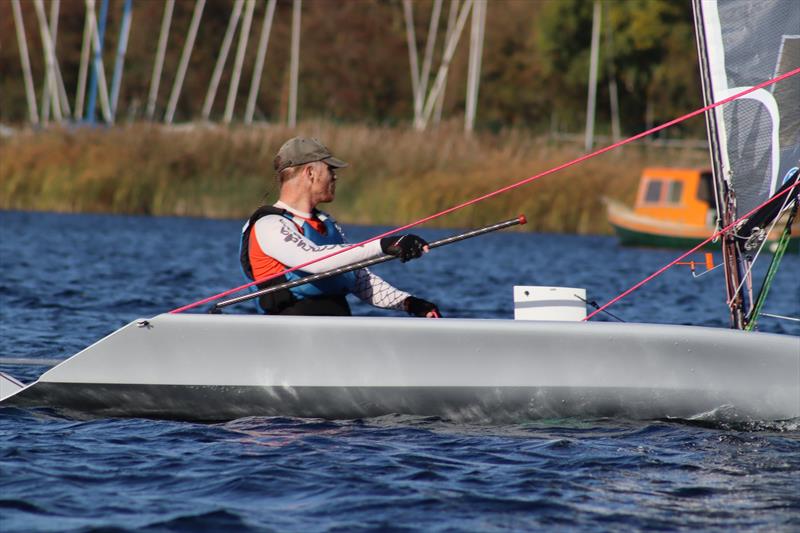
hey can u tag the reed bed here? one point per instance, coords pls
(396, 175)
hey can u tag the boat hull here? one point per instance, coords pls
(638, 230)
(219, 367)
(633, 237)
(211, 403)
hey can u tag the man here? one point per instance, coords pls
(293, 232)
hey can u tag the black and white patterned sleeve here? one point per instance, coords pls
(376, 291)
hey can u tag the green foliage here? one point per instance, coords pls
(651, 49)
(355, 66)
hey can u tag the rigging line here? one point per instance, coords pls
(501, 190)
(686, 254)
(758, 304)
(793, 319)
(594, 304)
(751, 264)
(706, 272)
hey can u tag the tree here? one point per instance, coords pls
(654, 58)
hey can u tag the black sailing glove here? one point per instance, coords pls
(405, 246)
(419, 307)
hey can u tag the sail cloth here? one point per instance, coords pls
(756, 139)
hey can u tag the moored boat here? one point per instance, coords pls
(673, 209)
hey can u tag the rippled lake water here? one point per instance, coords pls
(67, 280)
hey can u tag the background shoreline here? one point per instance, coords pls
(209, 171)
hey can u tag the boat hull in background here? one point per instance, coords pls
(220, 367)
(638, 230)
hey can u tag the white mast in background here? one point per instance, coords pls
(158, 64)
(592, 98)
(184, 63)
(263, 41)
(295, 64)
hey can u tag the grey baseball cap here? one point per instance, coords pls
(301, 150)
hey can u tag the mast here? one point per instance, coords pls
(754, 140)
(263, 41)
(184, 62)
(594, 59)
(723, 194)
(158, 64)
(294, 62)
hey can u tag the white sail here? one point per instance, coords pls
(747, 42)
(755, 139)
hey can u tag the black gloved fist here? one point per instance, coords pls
(405, 246)
(419, 307)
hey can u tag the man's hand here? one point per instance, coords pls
(422, 308)
(405, 246)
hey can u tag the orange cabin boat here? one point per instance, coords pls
(674, 208)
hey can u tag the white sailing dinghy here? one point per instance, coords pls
(217, 367)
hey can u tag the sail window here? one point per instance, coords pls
(652, 194)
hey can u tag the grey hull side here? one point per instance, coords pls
(212, 367)
(466, 404)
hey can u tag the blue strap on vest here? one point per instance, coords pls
(337, 285)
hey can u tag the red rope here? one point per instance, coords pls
(499, 191)
(684, 255)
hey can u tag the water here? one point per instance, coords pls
(68, 280)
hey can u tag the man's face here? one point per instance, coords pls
(323, 185)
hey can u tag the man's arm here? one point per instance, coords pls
(376, 291)
(280, 239)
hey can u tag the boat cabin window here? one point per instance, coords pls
(653, 193)
(675, 190)
(663, 191)
(706, 188)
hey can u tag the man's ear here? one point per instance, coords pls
(309, 171)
